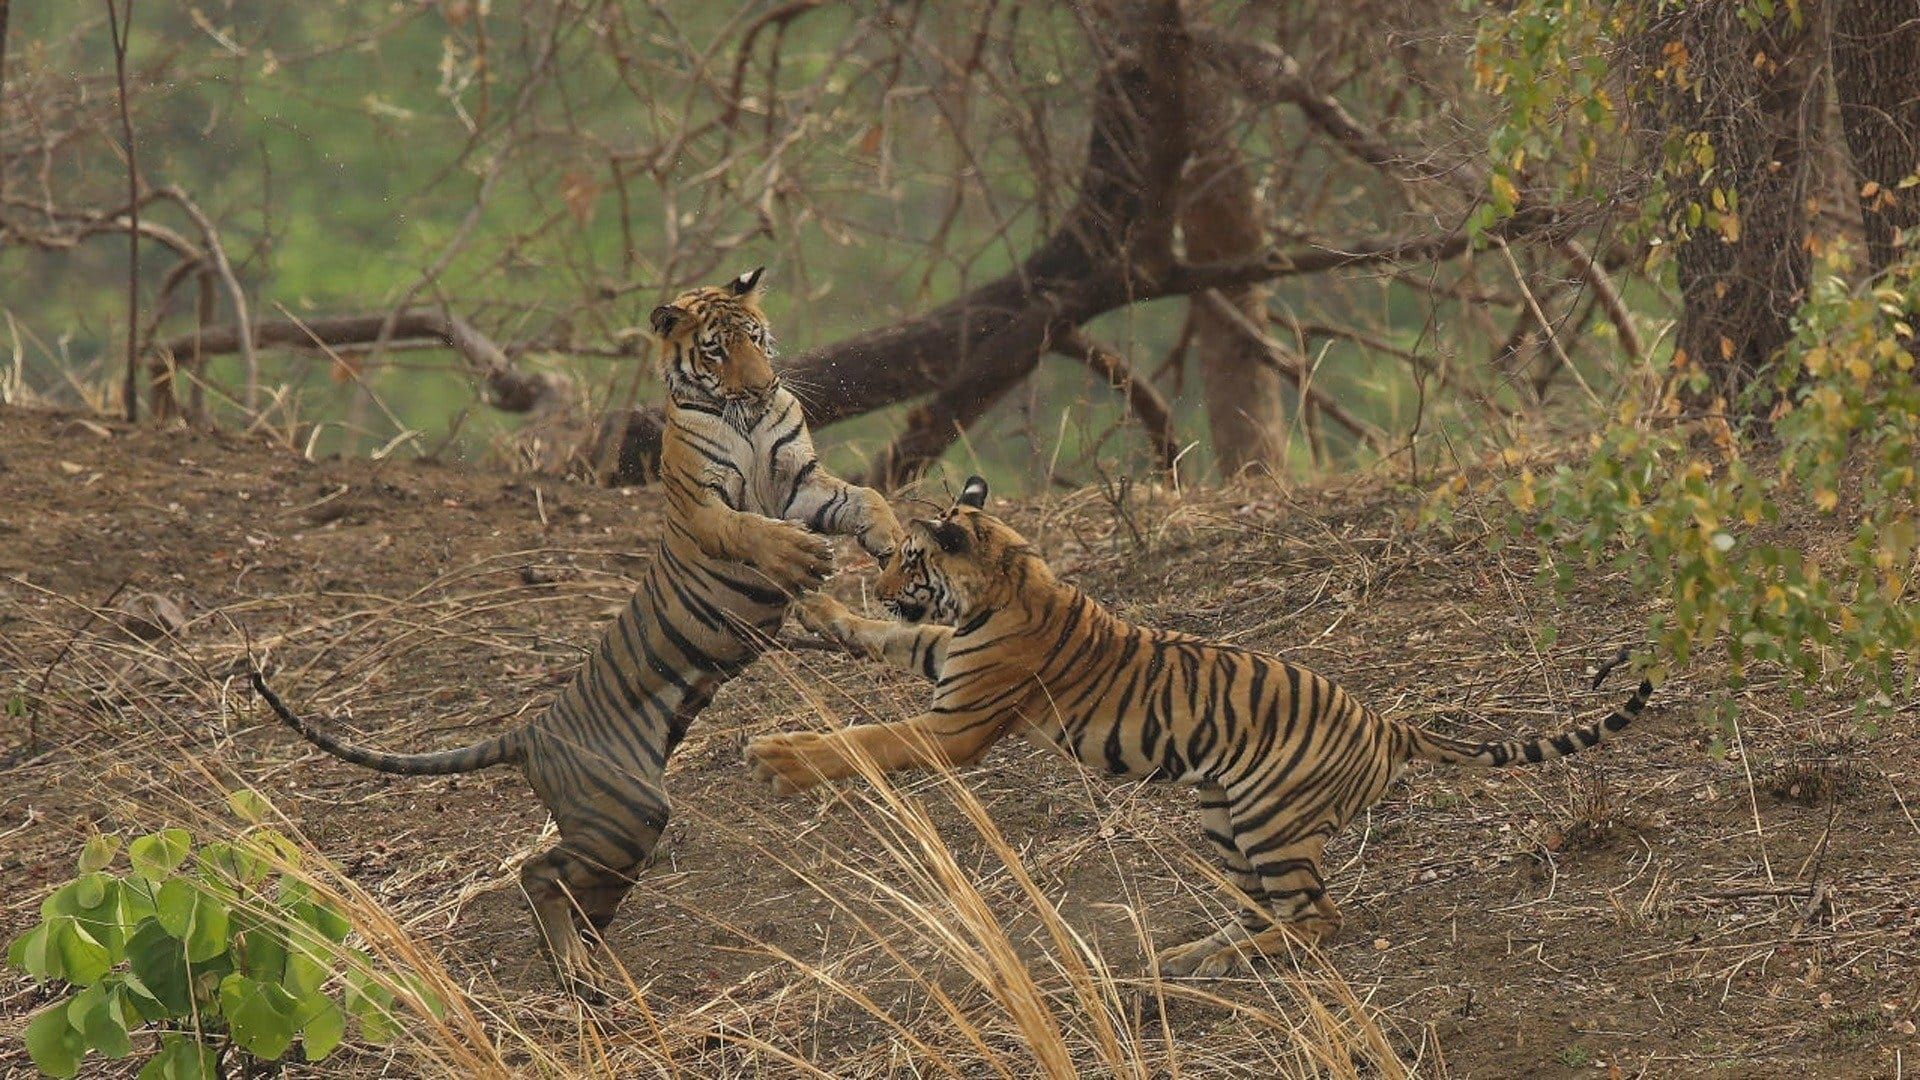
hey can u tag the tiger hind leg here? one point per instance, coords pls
(1297, 900)
(1217, 822)
(574, 890)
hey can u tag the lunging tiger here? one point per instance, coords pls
(1282, 758)
(739, 472)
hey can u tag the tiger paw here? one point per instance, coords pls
(796, 560)
(823, 615)
(1207, 958)
(782, 759)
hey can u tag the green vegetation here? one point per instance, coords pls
(225, 950)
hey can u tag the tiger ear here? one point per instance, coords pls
(748, 282)
(951, 537)
(665, 318)
(973, 493)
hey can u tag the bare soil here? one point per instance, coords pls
(1691, 900)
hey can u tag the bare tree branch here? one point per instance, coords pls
(508, 388)
(1275, 354)
(1146, 404)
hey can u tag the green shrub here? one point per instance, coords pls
(1709, 517)
(219, 949)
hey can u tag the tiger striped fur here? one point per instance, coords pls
(1282, 758)
(738, 469)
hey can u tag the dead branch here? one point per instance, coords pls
(508, 388)
(1146, 404)
(1267, 74)
(1601, 283)
(236, 296)
(1274, 354)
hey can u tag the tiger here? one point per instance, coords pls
(1281, 757)
(742, 487)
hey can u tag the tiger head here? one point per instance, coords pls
(961, 563)
(715, 349)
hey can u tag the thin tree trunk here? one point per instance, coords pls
(1876, 75)
(1222, 219)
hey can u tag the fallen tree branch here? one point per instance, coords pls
(508, 388)
(1146, 404)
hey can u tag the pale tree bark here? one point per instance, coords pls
(1876, 75)
(1222, 219)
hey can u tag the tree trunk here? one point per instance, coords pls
(1876, 75)
(1222, 219)
(1754, 96)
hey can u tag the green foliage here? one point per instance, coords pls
(221, 948)
(1686, 510)
(1546, 64)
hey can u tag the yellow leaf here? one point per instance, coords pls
(1826, 499)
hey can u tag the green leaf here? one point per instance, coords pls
(248, 805)
(156, 855)
(259, 1015)
(238, 864)
(182, 1058)
(372, 1005)
(83, 960)
(99, 852)
(28, 952)
(95, 1014)
(263, 951)
(322, 1026)
(53, 1044)
(190, 913)
(159, 960)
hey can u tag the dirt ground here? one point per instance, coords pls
(1692, 900)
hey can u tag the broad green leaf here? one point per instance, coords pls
(322, 1026)
(159, 960)
(99, 911)
(259, 1015)
(262, 950)
(237, 864)
(372, 1005)
(83, 960)
(190, 913)
(28, 952)
(53, 1044)
(156, 855)
(95, 1014)
(306, 971)
(99, 852)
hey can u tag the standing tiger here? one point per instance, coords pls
(738, 469)
(1282, 758)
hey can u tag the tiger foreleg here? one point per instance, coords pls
(794, 559)
(919, 649)
(794, 761)
(833, 506)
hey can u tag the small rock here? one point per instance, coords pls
(151, 616)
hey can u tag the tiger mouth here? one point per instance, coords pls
(908, 611)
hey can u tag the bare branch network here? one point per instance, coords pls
(1018, 173)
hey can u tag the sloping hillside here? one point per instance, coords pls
(1689, 901)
